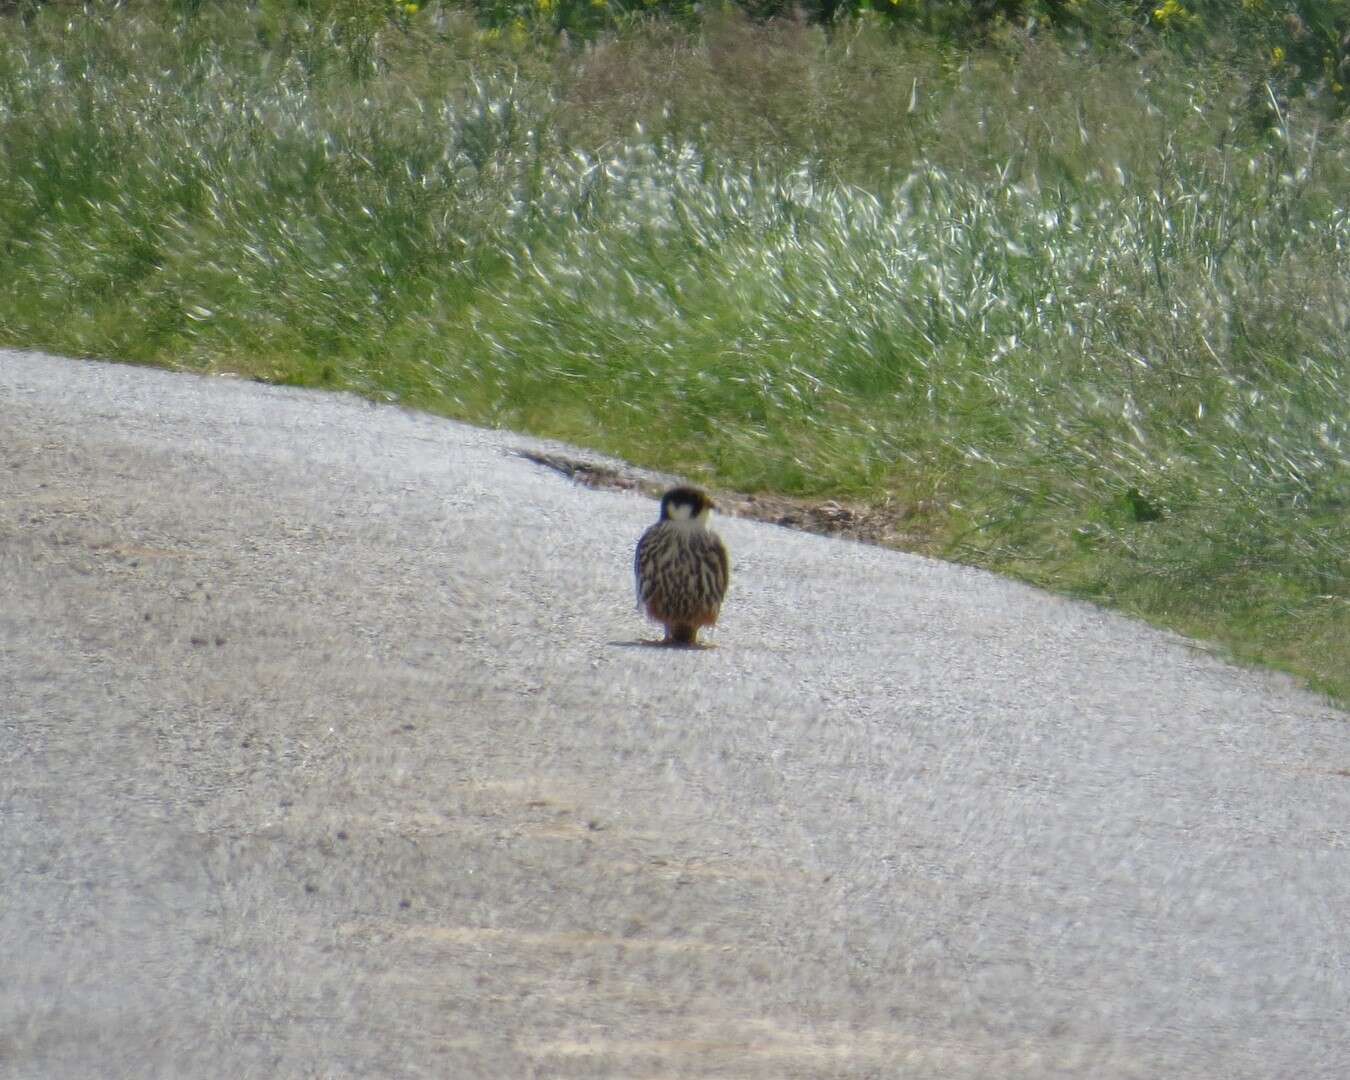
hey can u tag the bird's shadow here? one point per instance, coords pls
(698, 646)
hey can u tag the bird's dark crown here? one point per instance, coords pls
(696, 500)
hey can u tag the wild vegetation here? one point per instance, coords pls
(1065, 285)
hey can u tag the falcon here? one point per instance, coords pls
(682, 567)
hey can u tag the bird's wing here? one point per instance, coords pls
(724, 565)
(640, 580)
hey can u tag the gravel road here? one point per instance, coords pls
(328, 749)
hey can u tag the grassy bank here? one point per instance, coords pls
(1079, 315)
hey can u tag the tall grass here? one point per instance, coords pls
(1082, 317)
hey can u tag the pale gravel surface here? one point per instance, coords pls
(324, 752)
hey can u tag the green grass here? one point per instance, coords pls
(1082, 314)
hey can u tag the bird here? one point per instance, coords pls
(682, 567)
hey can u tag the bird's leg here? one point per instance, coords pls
(682, 634)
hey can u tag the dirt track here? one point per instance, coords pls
(327, 749)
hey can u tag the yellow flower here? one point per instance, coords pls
(544, 6)
(1172, 13)
(1276, 56)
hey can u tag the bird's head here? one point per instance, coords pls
(686, 504)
